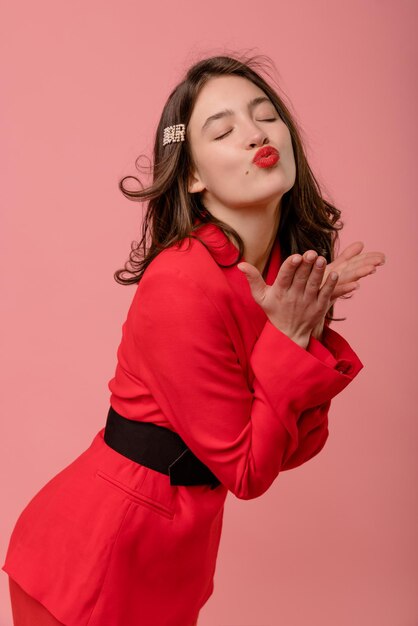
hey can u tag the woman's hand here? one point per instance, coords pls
(299, 298)
(306, 287)
(351, 265)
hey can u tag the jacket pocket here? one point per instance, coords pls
(137, 496)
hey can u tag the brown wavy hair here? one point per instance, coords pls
(307, 220)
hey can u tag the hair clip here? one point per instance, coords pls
(174, 133)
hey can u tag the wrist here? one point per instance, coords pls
(301, 340)
(318, 331)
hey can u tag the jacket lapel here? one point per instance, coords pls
(251, 317)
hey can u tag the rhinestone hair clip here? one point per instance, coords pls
(174, 133)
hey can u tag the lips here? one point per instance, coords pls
(266, 156)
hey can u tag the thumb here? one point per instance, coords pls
(255, 280)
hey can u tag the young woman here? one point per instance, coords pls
(225, 371)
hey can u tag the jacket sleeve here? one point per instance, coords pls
(313, 423)
(185, 356)
(313, 433)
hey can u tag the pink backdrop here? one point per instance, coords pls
(334, 541)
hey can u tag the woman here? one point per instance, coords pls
(225, 371)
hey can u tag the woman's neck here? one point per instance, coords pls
(258, 230)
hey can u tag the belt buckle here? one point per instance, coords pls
(182, 471)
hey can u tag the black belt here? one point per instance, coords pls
(158, 448)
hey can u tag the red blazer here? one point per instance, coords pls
(108, 541)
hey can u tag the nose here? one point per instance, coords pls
(257, 137)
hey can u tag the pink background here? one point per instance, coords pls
(334, 541)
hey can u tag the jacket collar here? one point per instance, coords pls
(225, 252)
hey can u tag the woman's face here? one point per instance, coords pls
(223, 148)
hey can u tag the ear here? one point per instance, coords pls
(195, 185)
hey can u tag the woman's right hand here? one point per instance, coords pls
(295, 303)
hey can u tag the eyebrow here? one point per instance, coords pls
(226, 112)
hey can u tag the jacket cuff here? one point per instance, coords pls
(334, 350)
(302, 378)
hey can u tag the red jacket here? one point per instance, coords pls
(108, 541)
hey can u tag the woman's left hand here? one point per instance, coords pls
(351, 265)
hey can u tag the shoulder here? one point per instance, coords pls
(188, 255)
(187, 266)
(177, 278)
(184, 290)
(180, 291)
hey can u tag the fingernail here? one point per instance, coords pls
(296, 259)
(333, 275)
(310, 256)
(320, 262)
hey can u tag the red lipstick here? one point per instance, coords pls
(266, 157)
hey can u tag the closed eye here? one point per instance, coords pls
(272, 119)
